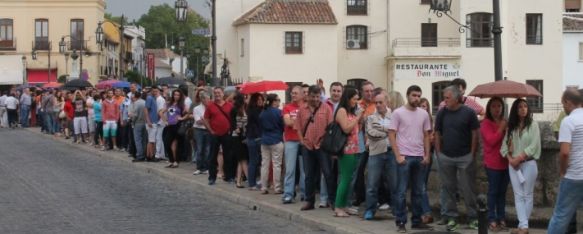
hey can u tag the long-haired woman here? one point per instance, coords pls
(348, 117)
(492, 130)
(238, 127)
(174, 111)
(253, 131)
(271, 143)
(521, 146)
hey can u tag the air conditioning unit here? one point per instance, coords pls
(353, 44)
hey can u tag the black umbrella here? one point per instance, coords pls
(170, 81)
(77, 84)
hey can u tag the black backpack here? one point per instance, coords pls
(334, 138)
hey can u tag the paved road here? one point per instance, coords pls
(49, 187)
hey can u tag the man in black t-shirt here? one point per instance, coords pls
(456, 142)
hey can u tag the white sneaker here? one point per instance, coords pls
(384, 207)
(353, 210)
(197, 172)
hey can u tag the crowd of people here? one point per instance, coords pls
(391, 144)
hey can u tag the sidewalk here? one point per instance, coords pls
(320, 219)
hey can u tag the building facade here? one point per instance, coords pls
(399, 43)
(573, 50)
(28, 26)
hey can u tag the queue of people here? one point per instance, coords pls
(391, 145)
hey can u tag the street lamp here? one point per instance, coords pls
(63, 50)
(443, 7)
(33, 55)
(181, 46)
(181, 8)
(99, 38)
(24, 69)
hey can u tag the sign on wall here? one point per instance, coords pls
(426, 70)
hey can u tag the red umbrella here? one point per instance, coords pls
(262, 86)
(505, 88)
(106, 84)
(52, 85)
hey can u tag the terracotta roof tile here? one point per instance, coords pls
(573, 22)
(289, 12)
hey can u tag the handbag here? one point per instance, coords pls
(334, 139)
(184, 125)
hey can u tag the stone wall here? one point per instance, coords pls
(548, 174)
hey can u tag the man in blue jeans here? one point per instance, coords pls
(47, 105)
(25, 102)
(409, 135)
(292, 147)
(570, 162)
(202, 137)
(379, 162)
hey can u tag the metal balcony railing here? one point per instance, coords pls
(8, 44)
(426, 42)
(41, 43)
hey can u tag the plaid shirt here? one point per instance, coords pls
(315, 132)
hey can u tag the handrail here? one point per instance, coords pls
(420, 42)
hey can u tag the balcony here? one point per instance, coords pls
(41, 43)
(77, 45)
(8, 44)
(432, 47)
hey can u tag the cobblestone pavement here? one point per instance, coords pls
(50, 187)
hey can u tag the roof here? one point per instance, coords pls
(289, 12)
(573, 22)
(161, 53)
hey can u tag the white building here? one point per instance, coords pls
(573, 50)
(166, 62)
(399, 43)
(137, 59)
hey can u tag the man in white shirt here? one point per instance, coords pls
(3, 117)
(201, 135)
(161, 104)
(570, 163)
(12, 108)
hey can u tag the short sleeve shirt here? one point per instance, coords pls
(410, 126)
(219, 122)
(152, 107)
(289, 132)
(456, 129)
(571, 131)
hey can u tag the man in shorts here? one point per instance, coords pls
(111, 116)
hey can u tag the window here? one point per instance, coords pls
(242, 47)
(580, 51)
(77, 34)
(356, 7)
(356, 37)
(572, 5)
(6, 33)
(534, 29)
(480, 34)
(357, 83)
(425, 2)
(437, 93)
(41, 34)
(290, 86)
(535, 103)
(293, 42)
(429, 35)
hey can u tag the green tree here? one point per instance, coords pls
(161, 27)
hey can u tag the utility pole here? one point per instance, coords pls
(214, 81)
(497, 31)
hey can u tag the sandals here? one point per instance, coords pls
(172, 165)
(493, 227)
(341, 214)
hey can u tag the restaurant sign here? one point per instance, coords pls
(418, 70)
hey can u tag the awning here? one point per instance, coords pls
(41, 76)
(11, 69)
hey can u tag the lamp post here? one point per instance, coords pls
(181, 46)
(63, 50)
(443, 7)
(34, 56)
(24, 70)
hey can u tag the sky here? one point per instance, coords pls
(133, 9)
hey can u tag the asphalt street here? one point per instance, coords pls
(50, 187)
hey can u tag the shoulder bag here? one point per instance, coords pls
(334, 139)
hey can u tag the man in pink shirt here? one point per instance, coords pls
(409, 136)
(110, 110)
